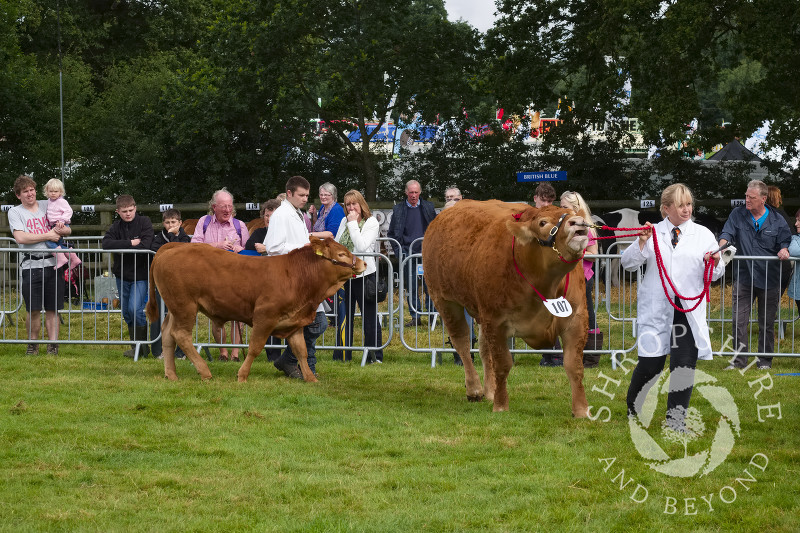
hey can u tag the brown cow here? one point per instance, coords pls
(276, 295)
(469, 264)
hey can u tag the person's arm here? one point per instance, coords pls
(23, 237)
(146, 233)
(199, 234)
(364, 238)
(112, 240)
(635, 255)
(275, 241)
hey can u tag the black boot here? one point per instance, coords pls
(558, 358)
(141, 335)
(457, 359)
(593, 342)
(131, 336)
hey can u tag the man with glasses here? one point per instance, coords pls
(756, 230)
(221, 230)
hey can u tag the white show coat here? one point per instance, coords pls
(364, 240)
(684, 265)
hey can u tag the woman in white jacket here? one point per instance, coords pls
(662, 329)
(358, 232)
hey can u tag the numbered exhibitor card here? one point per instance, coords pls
(559, 307)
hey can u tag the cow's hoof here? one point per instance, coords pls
(241, 379)
(171, 377)
(476, 398)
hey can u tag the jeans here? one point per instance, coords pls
(133, 297)
(768, 299)
(311, 333)
(354, 294)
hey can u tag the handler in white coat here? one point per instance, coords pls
(661, 329)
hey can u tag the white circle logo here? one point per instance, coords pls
(682, 426)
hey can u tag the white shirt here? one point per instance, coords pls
(364, 240)
(287, 231)
(684, 265)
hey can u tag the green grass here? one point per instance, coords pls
(92, 441)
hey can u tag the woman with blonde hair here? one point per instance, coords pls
(359, 232)
(669, 324)
(573, 200)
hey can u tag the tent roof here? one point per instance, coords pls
(734, 151)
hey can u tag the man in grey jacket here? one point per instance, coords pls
(756, 230)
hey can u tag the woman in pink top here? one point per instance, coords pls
(59, 213)
(573, 200)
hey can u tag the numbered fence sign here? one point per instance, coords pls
(250, 206)
(164, 207)
(87, 208)
(647, 203)
(5, 207)
(737, 203)
(419, 270)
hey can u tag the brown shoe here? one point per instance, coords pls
(52, 349)
(32, 349)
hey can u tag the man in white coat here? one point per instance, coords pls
(665, 326)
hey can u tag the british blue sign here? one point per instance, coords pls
(558, 175)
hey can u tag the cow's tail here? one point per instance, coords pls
(151, 309)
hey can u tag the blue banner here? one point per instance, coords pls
(558, 175)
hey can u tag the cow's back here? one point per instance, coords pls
(467, 250)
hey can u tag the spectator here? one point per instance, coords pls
(256, 241)
(662, 329)
(287, 231)
(544, 195)
(451, 194)
(171, 232)
(410, 220)
(131, 232)
(59, 213)
(221, 230)
(330, 215)
(358, 232)
(756, 230)
(573, 200)
(794, 251)
(41, 286)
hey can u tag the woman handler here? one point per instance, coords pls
(662, 329)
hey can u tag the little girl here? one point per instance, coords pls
(59, 213)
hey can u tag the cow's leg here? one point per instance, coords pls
(258, 338)
(182, 333)
(168, 348)
(496, 345)
(458, 329)
(487, 361)
(297, 342)
(573, 342)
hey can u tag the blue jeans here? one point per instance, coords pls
(133, 297)
(311, 333)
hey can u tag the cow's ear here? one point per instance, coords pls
(317, 245)
(521, 226)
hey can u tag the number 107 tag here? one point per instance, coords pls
(559, 307)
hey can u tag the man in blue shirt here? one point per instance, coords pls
(756, 230)
(410, 220)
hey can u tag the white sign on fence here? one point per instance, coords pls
(250, 206)
(87, 208)
(737, 203)
(164, 207)
(6, 207)
(647, 203)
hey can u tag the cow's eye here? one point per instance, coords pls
(542, 223)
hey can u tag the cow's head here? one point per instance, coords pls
(552, 227)
(338, 255)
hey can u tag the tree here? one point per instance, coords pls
(365, 60)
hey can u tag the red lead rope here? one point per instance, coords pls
(708, 271)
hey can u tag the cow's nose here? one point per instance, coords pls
(576, 221)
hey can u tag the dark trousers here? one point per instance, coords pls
(744, 293)
(311, 333)
(412, 286)
(683, 354)
(354, 295)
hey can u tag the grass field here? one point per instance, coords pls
(92, 441)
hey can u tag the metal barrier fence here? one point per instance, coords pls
(92, 315)
(91, 312)
(615, 306)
